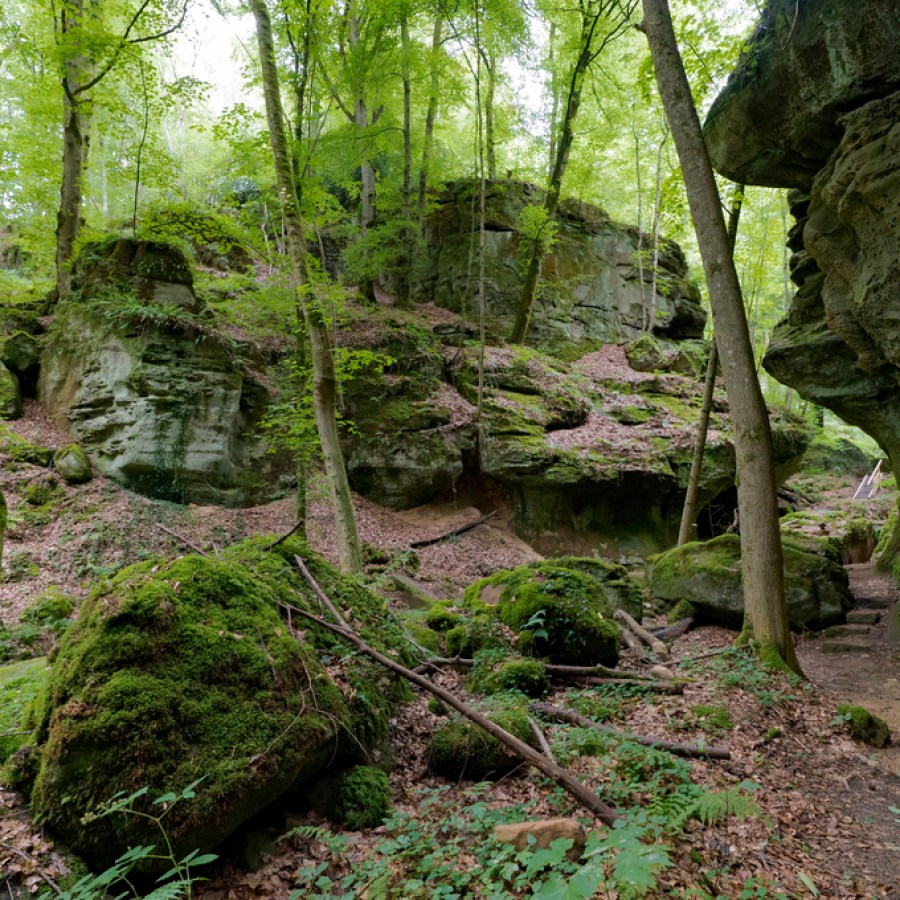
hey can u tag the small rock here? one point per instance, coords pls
(662, 672)
(72, 464)
(544, 832)
(850, 630)
(10, 395)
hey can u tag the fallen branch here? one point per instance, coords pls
(675, 630)
(183, 540)
(541, 738)
(587, 798)
(655, 644)
(415, 545)
(707, 655)
(635, 644)
(285, 536)
(550, 668)
(573, 718)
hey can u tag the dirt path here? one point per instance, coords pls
(860, 663)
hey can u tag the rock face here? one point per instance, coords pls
(708, 575)
(591, 291)
(815, 106)
(590, 455)
(159, 403)
(185, 671)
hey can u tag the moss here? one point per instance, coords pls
(72, 464)
(20, 683)
(711, 719)
(864, 726)
(460, 749)
(481, 632)
(39, 493)
(622, 591)
(495, 673)
(412, 622)
(364, 798)
(683, 609)
(4, 515)
(188, 665)
(49, 608)
(771, 657)
(440, 618)
(18, 449)
(566, 612)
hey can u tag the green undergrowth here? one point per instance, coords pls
(446, 849)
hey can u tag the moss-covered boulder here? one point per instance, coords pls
(864, 726)
(363, 798)
(183, 670)
(10, 394)
(460, 749)
(841, 534)
(555, 611)
(708, 575)
(72, 464)
(21, 353)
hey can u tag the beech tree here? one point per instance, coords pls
(762, 566)
(88, 51)
(324, 378)
(600, 22)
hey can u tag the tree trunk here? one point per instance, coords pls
(361, 118)
(689, 513)
(592, 16)
(761, 558)
(324, 380)
(490, 64)
(405, 274)
(431, 113)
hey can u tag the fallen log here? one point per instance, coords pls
(655, 644)
(427, 542)
(675, 630)
(573, 718)
(586, 797)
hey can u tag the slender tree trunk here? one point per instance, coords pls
(324, 380)
(657, 219)
(554, 101)
(430, 113)
(639, 251)
(361, 118)
(689, 513)
(405, 279)
(491, 68)
(762, 564)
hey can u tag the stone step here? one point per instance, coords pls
(873, 602)
(863, 617)
(850, 630)
(844, 646)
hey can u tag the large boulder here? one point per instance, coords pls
(814, 106)
(708, 575)
(184, 670)
(591, 289)
(138, 375)
(778, 119)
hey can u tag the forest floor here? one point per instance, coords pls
(825, 827)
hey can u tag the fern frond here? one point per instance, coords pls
(713, 806)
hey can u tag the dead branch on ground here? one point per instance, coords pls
(574, 718)
(561, 776)
(427, 542)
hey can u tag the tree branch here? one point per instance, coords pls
(562, 777)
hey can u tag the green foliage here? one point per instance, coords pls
(364, 798)
(711, 719)
(49, 608)
(480, 632)
(441, 618)
(387, 250)
(20, 683)
(178, 878)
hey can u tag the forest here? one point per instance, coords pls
(448, 449)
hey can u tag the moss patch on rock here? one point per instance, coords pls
(189, 666)
(708, 575)
(460, 749)
(363, 798)
(864, 726)
(556, 611)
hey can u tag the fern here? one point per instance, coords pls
(711, 807)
